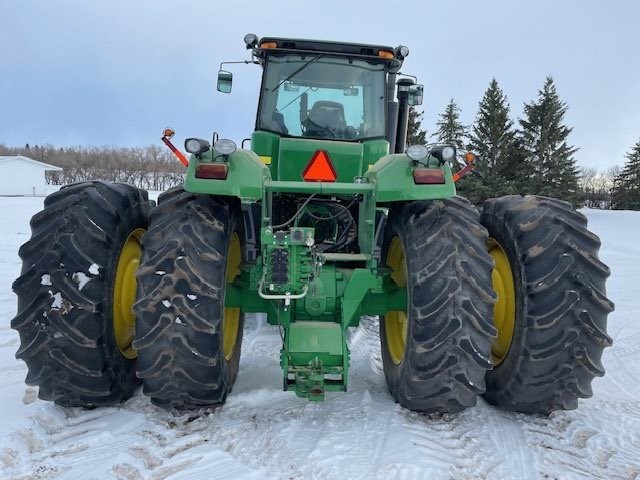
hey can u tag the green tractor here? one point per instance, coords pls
(328, 217)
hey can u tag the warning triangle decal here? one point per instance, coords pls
(320, 168)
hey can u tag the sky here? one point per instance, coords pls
(78, 72)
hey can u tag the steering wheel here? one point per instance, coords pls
(323, 128)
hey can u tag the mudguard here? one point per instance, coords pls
(393, 178)
(247, 173)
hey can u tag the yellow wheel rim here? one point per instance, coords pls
(504, 310)
(231, 315)
(396, 323)
(124, 294)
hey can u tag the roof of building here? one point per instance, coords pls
(44, 166)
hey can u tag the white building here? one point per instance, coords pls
(22, 176)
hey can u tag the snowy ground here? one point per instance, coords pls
(263, 432)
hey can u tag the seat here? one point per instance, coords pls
(328, 114)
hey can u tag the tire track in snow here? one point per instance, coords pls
(49, 448)
(453, 444)
(164, 446)
(435, 446)
(263, 432)
(581, 444)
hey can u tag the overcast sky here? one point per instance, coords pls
(78, 72)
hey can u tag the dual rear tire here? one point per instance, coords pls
(92, 247)
(509, 304)
(435, 355)
(67, 313)
(188, 343)
(550, 347)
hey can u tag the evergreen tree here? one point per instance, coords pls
(626, 186)
(452, 132)
(492, 139)
(415, 134)
(553, 170)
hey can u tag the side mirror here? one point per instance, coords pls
(225, 80)
(415, 94)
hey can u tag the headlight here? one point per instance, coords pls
(225, 146)
(402, 51)
(448, 153)
(444, 153)
(251, 39)
(417, 152)
(197, 146)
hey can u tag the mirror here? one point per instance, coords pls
(225, 80)
(291, 87)
(351, 92)
(415, 94)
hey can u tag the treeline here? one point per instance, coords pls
(531, 155)
(626, 185)
(151, 167)
(597, 186)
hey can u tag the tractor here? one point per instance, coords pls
(328, 217)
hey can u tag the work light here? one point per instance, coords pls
(444, 153)
(224, 146)
(402, 51)
(197, 146)
(448, 153)
(251, 39)
(417, 152)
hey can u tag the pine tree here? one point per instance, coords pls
(452, 132)
(626, 187)
(492, 139)
(415, 134)
(553, 170)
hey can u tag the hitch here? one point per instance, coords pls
(312, 381)
(309, 382)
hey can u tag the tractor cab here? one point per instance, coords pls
(315, 94)
(322, 98)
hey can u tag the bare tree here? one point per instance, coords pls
(145, 167)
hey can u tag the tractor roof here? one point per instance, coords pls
(268, 45)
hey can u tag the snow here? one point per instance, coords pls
(166, 303)
(94, 269)
(57, 300)
(81, 279)
(46, 280)
(263, 432)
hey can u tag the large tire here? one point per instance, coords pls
(180, 302)
(450, 300)
(561, 310)
(66, 294)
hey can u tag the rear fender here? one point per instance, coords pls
(247, 174)
(393, 178)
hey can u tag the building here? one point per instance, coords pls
(23, 176)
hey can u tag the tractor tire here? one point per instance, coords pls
(191, 249)
(66, 294)
(440, 365)
(559, 310)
